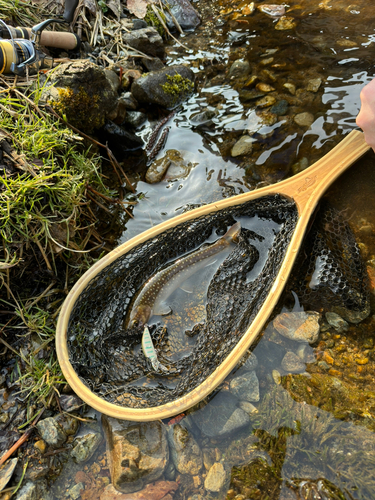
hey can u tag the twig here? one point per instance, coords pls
(21, 440)
(175, 22)
(165, 26)
(111, 200)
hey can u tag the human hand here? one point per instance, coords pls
(366, 116)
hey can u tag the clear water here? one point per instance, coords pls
(318, 426)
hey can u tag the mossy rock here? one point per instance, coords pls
(167, 87)
(83, 93)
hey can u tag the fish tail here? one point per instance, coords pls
(233, 232)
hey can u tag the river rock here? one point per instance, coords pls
(246, 387)
(290, 87)
(185, 14)
(314, 84)
(243, 146)
(6, 471)
(128, 101)
(68, 423)
(239, 68)
(34, 490)
(285, 23)
(70, 402)
(85, 445)
(250, 364)
(216, 478)
(280, 108)
(304, 119)
(146, 40)
(337, 322)
(119, 139)
(82, 91)
(52, 432)
(220, 417)
(161, 490)
(272, 10)
(137, 453)
(185, 451)
(291, 363)
(135, 119)
(266, 101)
(167, 87)
(300, 326)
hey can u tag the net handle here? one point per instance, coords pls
(305, 188)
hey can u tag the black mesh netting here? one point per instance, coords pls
(330, 268)
(196, 338)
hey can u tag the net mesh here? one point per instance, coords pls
(108, 358)
(193, 341)
(330, 268)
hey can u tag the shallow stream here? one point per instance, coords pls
(311, 434)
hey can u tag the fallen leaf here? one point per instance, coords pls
(137, 7)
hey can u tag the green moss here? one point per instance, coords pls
(81, 109)
(152, 20)
(178, 87)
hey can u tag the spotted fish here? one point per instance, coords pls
(152, 297)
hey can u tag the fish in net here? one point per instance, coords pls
(108, 358)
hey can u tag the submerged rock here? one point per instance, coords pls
(220, 417)
(291, 363)
(167, 87)
(84, 446)
(246, 387)
(172, 166)
(216, 478)
(304, 119)
(285, 23)
(243, 146)
(161, 490)
(119, 139)
(300, 326)
(137, 453)
(185, 451)
(52, 432)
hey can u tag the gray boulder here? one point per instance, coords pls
(146, 40)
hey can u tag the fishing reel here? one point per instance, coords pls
(21, 48)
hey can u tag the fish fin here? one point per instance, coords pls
(233, 232)
(162, 310)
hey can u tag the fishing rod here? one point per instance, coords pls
(21, 48)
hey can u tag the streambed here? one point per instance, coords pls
(307, 434)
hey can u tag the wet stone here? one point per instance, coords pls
(70, 402)
(243, 146)
(167, 87)
(280, 108)
(272, 10)
(266, 101)
(248, 407)
(264, 87)
(146, 40)
(290, 87)
(119, 139)
(285, 23)
(304, 119)
(314, 84)
(52, 432)
(220, 417)
(33, 490)
(128, 101)
(85, 446)
(75, 491)
(291, 363)
(154, 64)
(216, 478)
(300, 326)
(337, 322)
(250, 364)
(239, 68)
(160, 490)
(138, 453)
(250, 95)
(68, 424)
(6, 472)
(246, 387)
(185, 451)
(187, 17)
(135, 118)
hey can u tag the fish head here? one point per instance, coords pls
(140, 316)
